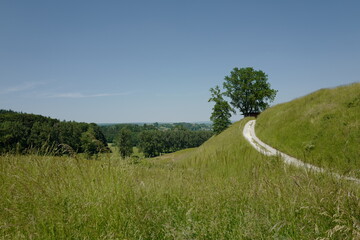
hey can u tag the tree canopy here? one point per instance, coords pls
(221, 111)
(158, 138)
(23, 133)
(156, 142)
(111, 131)
(124, 142)
(249, 90)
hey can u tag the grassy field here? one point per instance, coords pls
(322, 128)
(221, 190)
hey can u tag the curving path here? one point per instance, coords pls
(249, 134)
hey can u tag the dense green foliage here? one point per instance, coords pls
(223, 190)
(21, 133)
(249, 90)
(156, 142)
(111, 131)
(221, 111)
(158, 138)
(322, 128)
(124, 142)
(185, 125)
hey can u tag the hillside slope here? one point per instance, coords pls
(322, 128)
(246, 195)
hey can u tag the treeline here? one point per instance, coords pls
(156, 142)
(157, 138)
(111, 131)
(22, 133)
(188, 126)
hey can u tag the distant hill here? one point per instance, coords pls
(322, 128)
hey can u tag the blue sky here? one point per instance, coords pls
(155, 61)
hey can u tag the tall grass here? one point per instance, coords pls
(222, 190)
(322, 128)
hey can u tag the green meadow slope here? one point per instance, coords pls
(322, 128)
(221, 190)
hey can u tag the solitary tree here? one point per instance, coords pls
(221, 111)
(249, 90)
(125, 142)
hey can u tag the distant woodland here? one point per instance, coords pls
(111, 131)
(22, 133)
(29, 133)
(155, 139)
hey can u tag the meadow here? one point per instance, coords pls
(221, 190)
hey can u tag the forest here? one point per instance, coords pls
(22, 133)
(29, 133)
(157, 138)
(111, 131)
(156, 142)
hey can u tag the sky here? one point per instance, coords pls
(155, 61)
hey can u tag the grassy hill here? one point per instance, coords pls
(322, 128)
(221, 190)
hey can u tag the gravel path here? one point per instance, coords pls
(249, 134)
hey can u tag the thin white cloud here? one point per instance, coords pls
(81, 95)
(22, 87)
(30, 87)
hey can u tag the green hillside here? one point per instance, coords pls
(221, 190)
(322, 128)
